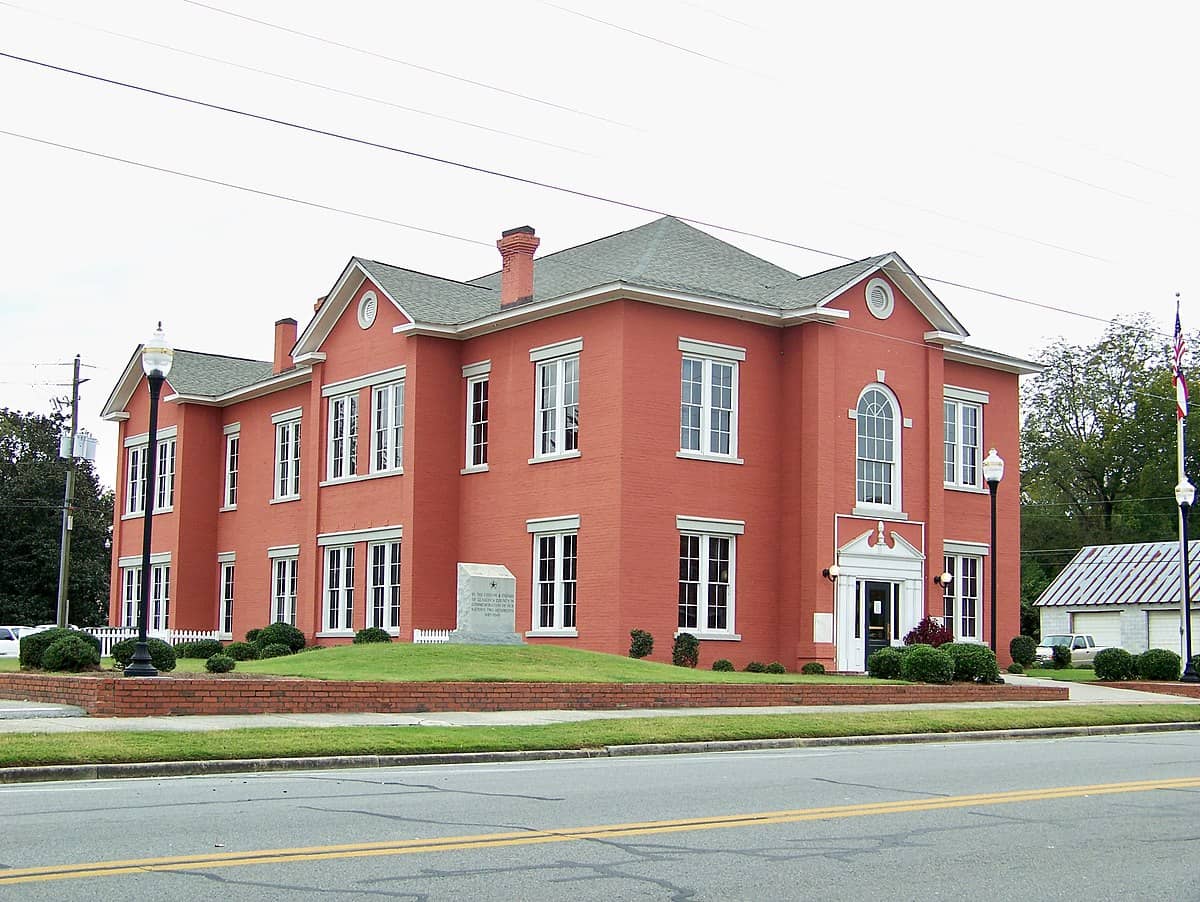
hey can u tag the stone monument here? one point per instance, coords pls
(487, 606)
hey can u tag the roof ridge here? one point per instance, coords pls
(427, 275)
(222, 356)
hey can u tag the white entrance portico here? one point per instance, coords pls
(879, 594)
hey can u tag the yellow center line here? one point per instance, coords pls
(572, 834)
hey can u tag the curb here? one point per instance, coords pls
(48, 773)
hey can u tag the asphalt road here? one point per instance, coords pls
(1086, 818)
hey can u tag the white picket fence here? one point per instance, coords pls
(111, 635)
(430, 637)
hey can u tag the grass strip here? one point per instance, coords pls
(25, 749)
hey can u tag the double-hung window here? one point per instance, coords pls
(138, 459)
(383, 586)
(555, 564)
(135, 487)
(339, 588)
(877, 456)
(159, 609)
(387, 427)
(343, 436)
(225, 562)
(708, 399)
(233, 447)
(961, 596)
(283, 583)
(963, 437)
(556, 422)
(164, 498)
(707, 559)
(476, 375)
(287, 455)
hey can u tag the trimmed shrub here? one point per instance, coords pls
(73, 653)
(1158, 664)
(219, 664)
(1115, 664)
(641, 643)
(929, 632)
(1060, 657)
(812, 668)
(973, 663)
(1195, 663)
(724, 665)
(885, 663)
(925, 664)
(776, 667)
(200, 648)
(1023, 650)
(1014, 667)
(755, 667)
(371, 634)
(162, 655)
(274, 650)
(279, 634)
(252, 635)
(686, 652)
(34, 645)
(241, 651)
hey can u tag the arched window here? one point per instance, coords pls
(878, 452)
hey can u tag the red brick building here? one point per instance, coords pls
(654, 430)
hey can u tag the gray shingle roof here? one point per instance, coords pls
(1141, 573)
(666, 253)
(210, 375)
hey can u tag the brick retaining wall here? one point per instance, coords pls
(117, 696)
(1190, 690)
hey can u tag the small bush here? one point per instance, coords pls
(641, 643)
(723, 665)
(71, 653)
(34, 645)
(885, 663)
(1060, 657)
(241, 651)
(219, 664)
(200, 648)
(1014, 667)
(686, 652)
(252, 635)
(274, 650)
(776, 667)
(1158, 664)
(973, 663)
(812, 668)
(929, 632)
(755, 667)
(279, 634)
(925, 664)
(371, 634)
(162, 655)
(1196, 664)
(1115, 664)
(1023, 650)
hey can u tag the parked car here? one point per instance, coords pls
(10, 640)
(1083, 648)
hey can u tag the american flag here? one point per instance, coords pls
(1181, 395)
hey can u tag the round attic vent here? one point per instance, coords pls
(880, 300)
(367, 307)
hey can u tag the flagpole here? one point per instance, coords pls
(1185, 494)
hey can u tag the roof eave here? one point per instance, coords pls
(278, 382)
(993, 360)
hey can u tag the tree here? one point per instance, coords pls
(1098, 448)
(32, 480)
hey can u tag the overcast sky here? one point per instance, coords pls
(1041, 151)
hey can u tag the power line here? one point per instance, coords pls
(300, 81)
(392, 59)
(535, 183)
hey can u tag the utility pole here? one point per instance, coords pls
(64, 558)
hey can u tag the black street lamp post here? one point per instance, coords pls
(993, 472)
(1185, 494)
(156, 362)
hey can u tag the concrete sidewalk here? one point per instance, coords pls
(36, 717)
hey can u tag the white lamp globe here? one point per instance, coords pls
(157, 354)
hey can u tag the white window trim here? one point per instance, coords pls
(231, 435)
(277, 551)
(977, 637)
(869, 509)
(293, 600)
(351, 536)
(391, 387)
(698, 348)
(133, 564)
(284, 416)
(224, 562)
(162, 438)
(349, 459)
(706, 353)
(558, 349)
(385, 538)
(359, 477)
(958, 393)
(553, 524)
(478, 376)
(560, 407)
(482, 368)
(292, 419)
(345, 607)
(977, 549)
(135, 560)
(957, 397)
(557, 528)
(370, 380)
(144, 438)
(708, 527)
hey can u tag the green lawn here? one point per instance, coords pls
(9, 664)
(1066, 675)
(24, 749)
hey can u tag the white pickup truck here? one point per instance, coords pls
(1083, 648)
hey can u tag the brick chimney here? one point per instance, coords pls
(285, 340)
(516, 278)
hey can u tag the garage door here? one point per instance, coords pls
(1105, 628)
(1164, 630)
